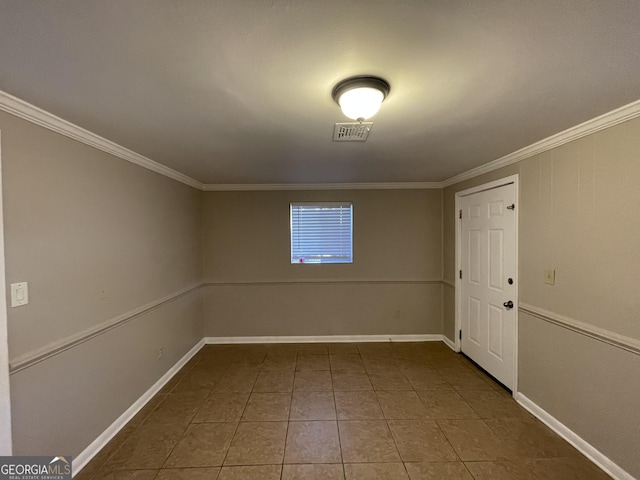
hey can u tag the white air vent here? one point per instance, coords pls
(352, 132)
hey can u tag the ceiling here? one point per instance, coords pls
(239, 92)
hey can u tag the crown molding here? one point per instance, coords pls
(38, 116)
(33, 114)
(609, 119)
(321, 186)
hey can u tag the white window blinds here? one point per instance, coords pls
(321, 232)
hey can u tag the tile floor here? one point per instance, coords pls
(337, 411)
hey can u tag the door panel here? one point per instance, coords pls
(496, 262)
(495, 331)
(474, 320)
(474, 256)
(488, 259)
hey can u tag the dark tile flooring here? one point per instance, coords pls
(335, 411)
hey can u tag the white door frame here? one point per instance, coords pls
(514, 179)
(5, 398)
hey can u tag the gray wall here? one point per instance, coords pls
(95, 237)
(254, 290)
(576, 216)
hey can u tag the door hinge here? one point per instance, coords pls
(460, 214)
(460, 274)
(511, 207)
(460, 334)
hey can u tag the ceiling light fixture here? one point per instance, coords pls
(360, 97)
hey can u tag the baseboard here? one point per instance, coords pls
(99, 443)
(588, 450)
(449, 343)
(325, 339)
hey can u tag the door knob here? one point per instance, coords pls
(508, 305)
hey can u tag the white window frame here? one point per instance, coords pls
(293, 205)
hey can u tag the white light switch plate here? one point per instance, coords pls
(19, 294)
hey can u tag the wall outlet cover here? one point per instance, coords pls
(550, 276)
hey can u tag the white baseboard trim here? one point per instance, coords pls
(588, 450)
(325, 339)
(449, 343)
(99, 443)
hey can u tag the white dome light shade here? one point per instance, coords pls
(361, 103)
(360, 97)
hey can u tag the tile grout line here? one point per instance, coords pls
(189, 423)
(237, 425)
(335, 409)
(209, 392)
(404, 464)
(286, 434)
(144, 421)
(440, 428)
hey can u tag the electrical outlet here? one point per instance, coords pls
(550, 276)
(160, 352)
(396, 314)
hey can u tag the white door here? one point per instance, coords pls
(488, 280)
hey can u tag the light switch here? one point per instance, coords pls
(19, 294)
(550, 276)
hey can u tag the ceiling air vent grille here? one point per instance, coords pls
(352, 132)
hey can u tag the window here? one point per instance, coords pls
(321, 232)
